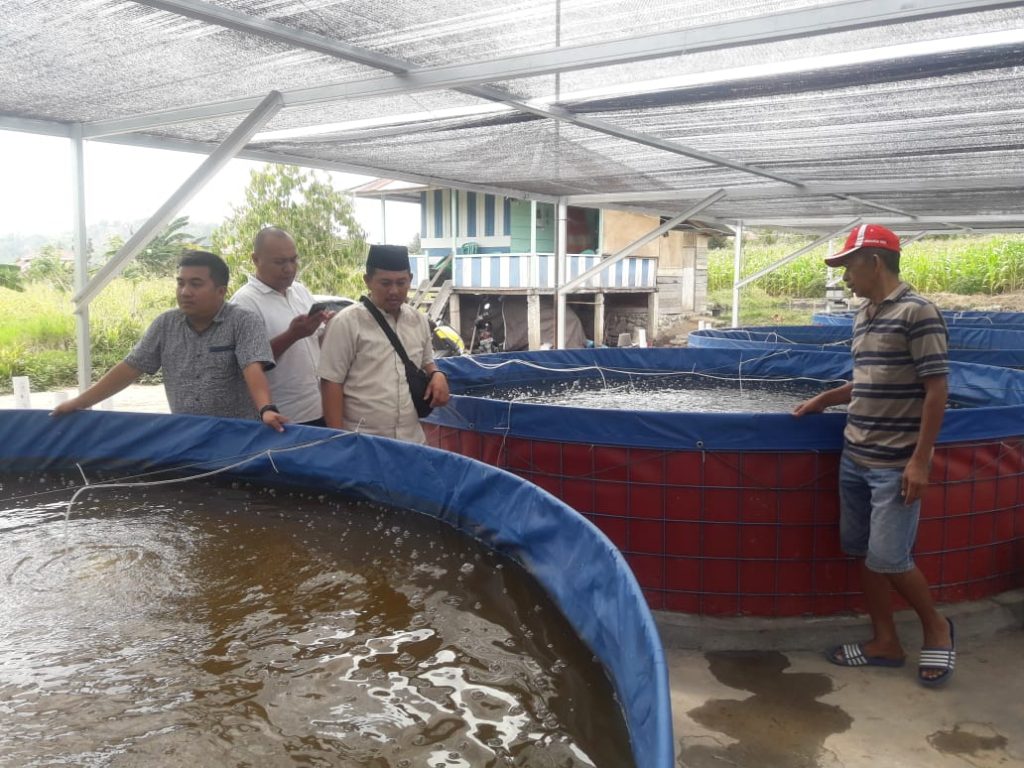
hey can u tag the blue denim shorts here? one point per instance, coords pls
(874, 523)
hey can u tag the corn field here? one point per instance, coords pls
(967, 265)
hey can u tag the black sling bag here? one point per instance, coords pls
(414, 376)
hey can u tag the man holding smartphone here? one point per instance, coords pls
(284, 306)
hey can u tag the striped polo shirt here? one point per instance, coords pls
(895, 344)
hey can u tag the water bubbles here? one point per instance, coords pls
(467, 568)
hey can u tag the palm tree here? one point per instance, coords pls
(160, 257)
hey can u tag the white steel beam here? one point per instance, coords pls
(796, 254)
(788, 25)
(940, 221)
(641, 241)
(267, 156)
(272, 30)
(775, 191)
(237, 139)
(29, 125)
(83, 342)
(557, 113)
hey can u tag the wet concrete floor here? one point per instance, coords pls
(772, 709)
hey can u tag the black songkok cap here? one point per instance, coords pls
(390, 258)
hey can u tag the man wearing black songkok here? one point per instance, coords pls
(362, 378)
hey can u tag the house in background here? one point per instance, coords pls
(504, 248)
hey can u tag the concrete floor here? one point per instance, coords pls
(750, 693)
(770, 708)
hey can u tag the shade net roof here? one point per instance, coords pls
(807, 113)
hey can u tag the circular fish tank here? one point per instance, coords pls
(730, 514)
(967, 343)
(1004, 320)
(184, 590)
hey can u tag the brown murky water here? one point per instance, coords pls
(201, 625)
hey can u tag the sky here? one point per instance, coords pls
(131, 183)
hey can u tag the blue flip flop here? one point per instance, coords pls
(852, 655)
(943, 659)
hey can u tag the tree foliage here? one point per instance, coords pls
(10, 277)
(330, 242)
(48, 266)
(160, 257)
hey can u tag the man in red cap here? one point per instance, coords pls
(896, 403)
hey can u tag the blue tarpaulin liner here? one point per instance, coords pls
(578, 567)
(967, 343)
(1004, 320)
(995, 396)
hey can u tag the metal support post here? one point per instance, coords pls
(737, 268)
(83, 342)
(560, 246)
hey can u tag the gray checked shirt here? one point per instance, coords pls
(203, 371)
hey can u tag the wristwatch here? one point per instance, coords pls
(268, 407)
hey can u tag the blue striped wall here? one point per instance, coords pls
(513, 270)
(480, 215)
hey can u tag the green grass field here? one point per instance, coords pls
(37, 329)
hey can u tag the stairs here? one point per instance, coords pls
(434, 296)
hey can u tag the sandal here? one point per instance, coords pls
(943, 659)
(852, 655)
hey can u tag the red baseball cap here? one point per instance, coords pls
(865, 236)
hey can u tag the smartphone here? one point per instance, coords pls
(329, 306)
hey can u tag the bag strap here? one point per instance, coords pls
(388, 331)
